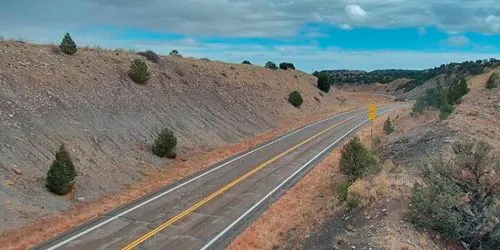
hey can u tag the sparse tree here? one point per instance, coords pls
(285, 66)
(165, 144)
(175, 53)
(67, 45)
(419, 107)
(456, 91)
(295, 98)
(356, 160)
(323, 83)
(388, 127)
(61, 175)
(139, 72)
(246, 62)
(271, 65)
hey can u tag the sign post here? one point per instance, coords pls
(372, 114)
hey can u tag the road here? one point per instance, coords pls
(209, 209)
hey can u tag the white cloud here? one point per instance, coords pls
(493, 22)
(459, 41)
(355, 12)
(237, 18)
(345, 26)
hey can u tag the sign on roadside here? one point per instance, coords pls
(372, 112)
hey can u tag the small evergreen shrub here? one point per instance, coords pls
(67, 45)
(323, 83)
(418, 107)
(150, 55)
(388, 127)
(139, 72)
(175, 53)
(492, 81)
(285, 66)
(456, 91)
(445, 110)
(61, 175)
(356, 160)
(165, 144)
(295, 98)
(271, 65)
(460, 198)
(246, 62)
(436, 98)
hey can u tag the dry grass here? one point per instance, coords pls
(392, 182)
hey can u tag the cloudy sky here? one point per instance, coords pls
(312, 34)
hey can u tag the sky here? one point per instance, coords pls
(311, 34)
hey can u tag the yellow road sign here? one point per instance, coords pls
(372, 112)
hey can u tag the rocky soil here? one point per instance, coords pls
(108, 122)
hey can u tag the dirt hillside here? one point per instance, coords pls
(108, 122)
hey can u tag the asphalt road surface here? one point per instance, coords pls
(209, 209)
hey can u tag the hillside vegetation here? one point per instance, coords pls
(443, 74)
(108, 123)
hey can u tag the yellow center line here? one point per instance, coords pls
(225, 188)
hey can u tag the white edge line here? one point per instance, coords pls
(281, 184)
(76, 236)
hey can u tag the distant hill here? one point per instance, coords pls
(416, 77)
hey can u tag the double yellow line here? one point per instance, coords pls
(225, 188)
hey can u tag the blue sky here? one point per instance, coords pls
(312, 34)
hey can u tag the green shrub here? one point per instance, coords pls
(460, 196)
(165, 144)
(271, 65)
(285, 66)
(356, 160)
(419, 107)
(456, 91)
(175, 53)
(343, 190)
(492, 81)
(150, 55)
(388, 127)
(323, 83)
(139, 72)
(246, 62)
(295, 98)
(61, 175)
(445, 110)
(67, 45)
(435, 97)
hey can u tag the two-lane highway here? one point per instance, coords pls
(209, 209)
